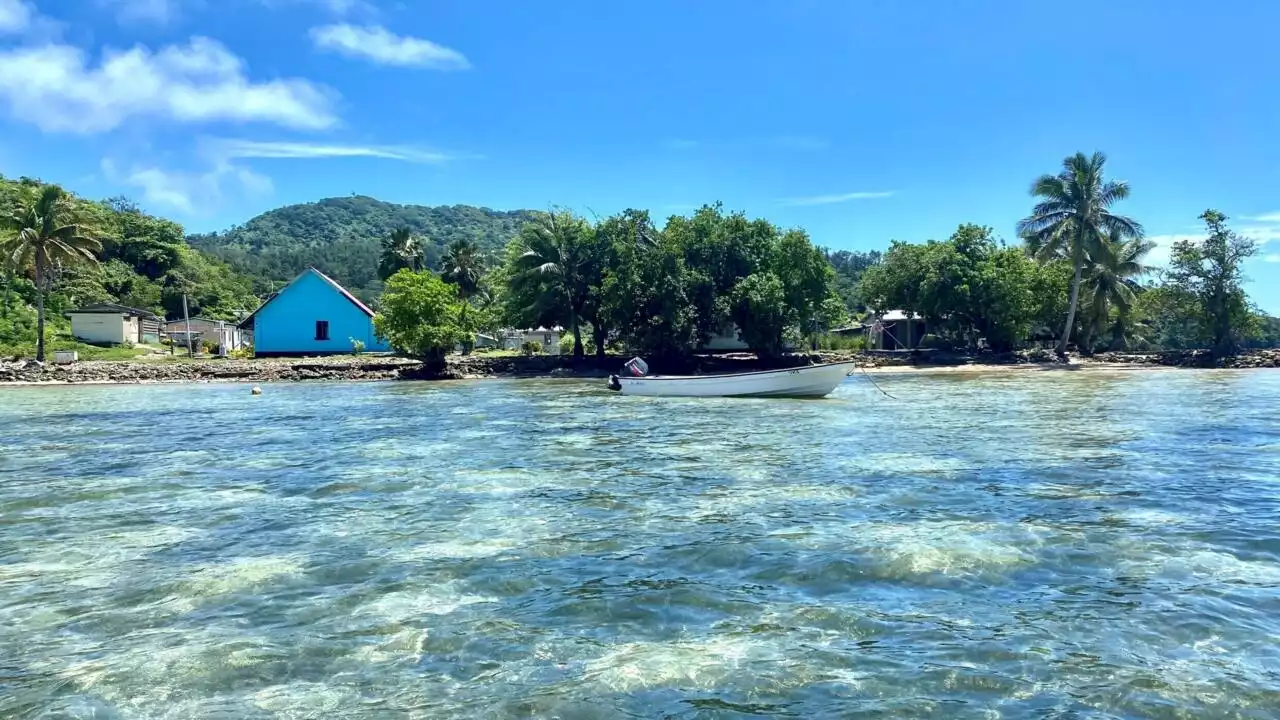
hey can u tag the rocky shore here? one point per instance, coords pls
(352, 368)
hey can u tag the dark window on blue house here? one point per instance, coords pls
(322, 329)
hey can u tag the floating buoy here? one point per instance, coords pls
(256, 390)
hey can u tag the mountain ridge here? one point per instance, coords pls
(342, 237)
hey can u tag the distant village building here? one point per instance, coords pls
(895, 330)
(313, 315)
(220, 333)
(111, 324)
(548, 339)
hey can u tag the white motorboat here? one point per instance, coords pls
(809, 381)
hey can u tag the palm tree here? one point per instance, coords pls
(461, 267)
(402, 249)
(554, 266)
(41, 232)
(1071, 218)
(1109, 279)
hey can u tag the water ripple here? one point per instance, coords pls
(1047, 544)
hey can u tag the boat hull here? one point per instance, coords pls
(812, 381)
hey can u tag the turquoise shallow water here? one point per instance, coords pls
(1038, 544)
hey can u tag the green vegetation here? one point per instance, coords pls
(401, 250)
(623, 282)
(343, 238)
(123, 256)
(1210, 272)
(43, 231)
(663, 292)
(1072, 220)
(419, 316)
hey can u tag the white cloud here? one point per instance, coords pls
(161, 12)
(1271, 217)
(57, 88)
(236, 149)
(840, 198)
(379, 45)
(1271, 258)
(15, 16)
(190, 193)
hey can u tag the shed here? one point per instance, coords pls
(312, 315)
(112, 324)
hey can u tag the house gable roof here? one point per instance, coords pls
(310, 270)
(111, 309)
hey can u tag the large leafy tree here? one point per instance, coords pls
(401, 250)
(967, 287)
(1071, 218)
(553, 270)
(1212, 272)
(44, 230)
(418, 315)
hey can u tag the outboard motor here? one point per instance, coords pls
(637, 367)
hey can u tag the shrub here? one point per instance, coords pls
(530, 348)
(357, 346)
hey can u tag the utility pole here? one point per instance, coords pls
(187, 319)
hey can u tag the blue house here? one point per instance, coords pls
(313, 315)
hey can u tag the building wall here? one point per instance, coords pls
(287, 325)
(101, 328)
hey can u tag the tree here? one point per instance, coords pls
(759, 307)
(418, 315)
(965, 288)
(462, 268)
(1211, 272)
(1109, 278)
(1071, 218)
(552, 269)
(646, 297)
(401, 250)
(44, 231)
(807, 279)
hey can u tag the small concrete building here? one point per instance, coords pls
(896, 330)
(313, 315)
(111, 324)
(226, 335)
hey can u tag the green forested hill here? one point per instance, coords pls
(342, 237)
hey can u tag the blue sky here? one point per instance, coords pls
(861, 122)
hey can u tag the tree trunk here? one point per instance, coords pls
(577, 336)
(40, 260)
(601, 336)
(1075, 298)
(468, 337)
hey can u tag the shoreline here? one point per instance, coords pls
(166, 371)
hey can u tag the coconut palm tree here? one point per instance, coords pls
(402, 249)
(554, 265)
(1070, 220)
(41, 232)
(1109, 279)
(461, 267)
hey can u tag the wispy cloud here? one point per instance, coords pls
(1272, 258)
(192, 193)
(379, 45)
(59, 88)
(1271, 217)
(244, 149)
(838, 198)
